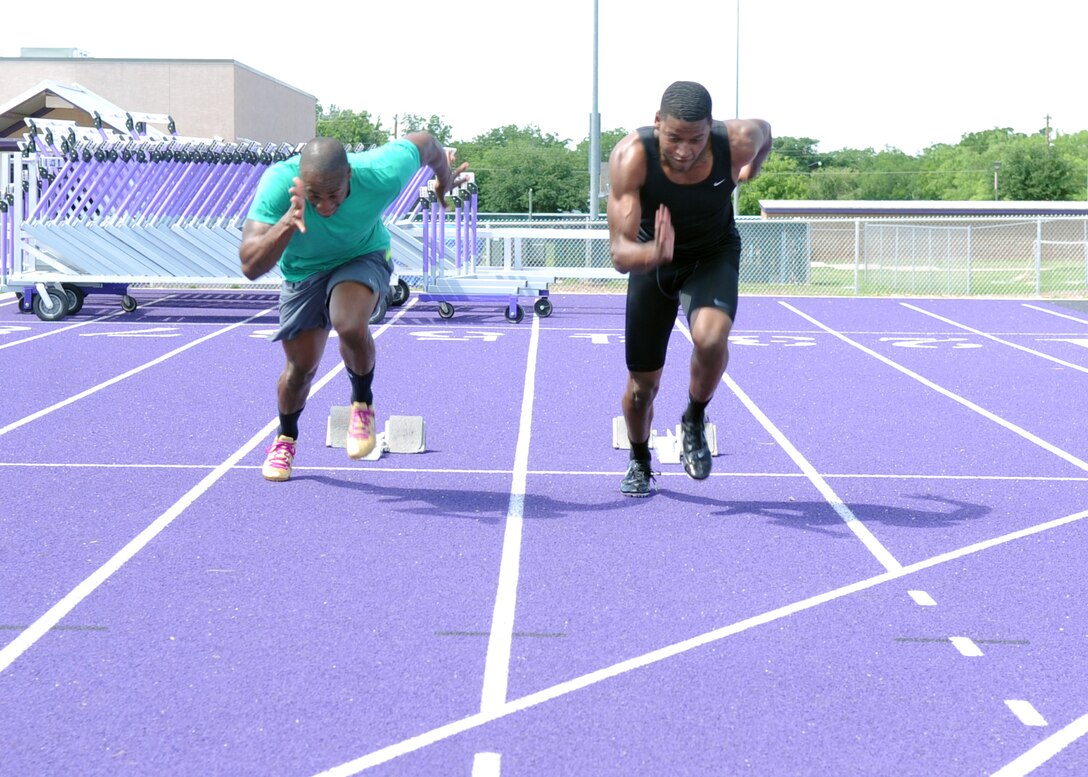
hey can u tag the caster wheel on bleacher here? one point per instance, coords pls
(401, 292)
(75, 297)
(55, 309)
(379, 310)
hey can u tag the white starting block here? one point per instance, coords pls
(403, 433)
(668, 447)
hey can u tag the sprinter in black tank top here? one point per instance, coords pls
(671, 227)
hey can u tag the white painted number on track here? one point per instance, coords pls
(450, 335)
(158, 331)
(1024, 710)
(1081, 341)
(929, 342)
(790, 341)
(599, 338)
(266, 334)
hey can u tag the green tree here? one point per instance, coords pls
(411, 122)
(1074, 148)
(351, 128)
(609, 139)
(506, 173)
(947, 172)
(800, 150)
(1036, 171)
(530, 133)
(833, 183)
(780, 179)
(509, 161)
(888, 175)
(981, 142)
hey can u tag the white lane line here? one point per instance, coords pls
(860, 530)
(922, 599)
(1025, 712)
(35, 631)
(1069, 457)
(1056, 313)
(443, 732)
(980, 333)
(966, 646)
(486, 765)
(56, 331)
(54, 614)
(497, 664)
(1045, 750)
(549, 472)
(118, 378)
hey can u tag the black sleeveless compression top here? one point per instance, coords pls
(702, 213)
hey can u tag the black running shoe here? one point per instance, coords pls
(639, 480)
(696, 455)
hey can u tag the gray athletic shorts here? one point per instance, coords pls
(305, 304)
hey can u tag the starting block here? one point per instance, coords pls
(403, 433)
(667, 447)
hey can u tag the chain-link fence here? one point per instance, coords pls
(1044, 256)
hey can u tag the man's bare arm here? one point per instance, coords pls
(627, 173)
(750, 143)
(263, 244)
(434, 156)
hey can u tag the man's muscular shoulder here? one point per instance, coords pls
(627, 162)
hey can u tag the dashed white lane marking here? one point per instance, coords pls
(486, 765)
(966, 646)
(922, 598)
(1027, 714)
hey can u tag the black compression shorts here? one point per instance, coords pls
(653, 299)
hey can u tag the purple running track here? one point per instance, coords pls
(882, 575)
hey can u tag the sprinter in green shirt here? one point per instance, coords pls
(318, 215)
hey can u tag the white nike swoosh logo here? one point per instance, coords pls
(719, 183)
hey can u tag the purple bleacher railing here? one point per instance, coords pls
(409, 195)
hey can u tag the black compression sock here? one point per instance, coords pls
(696, 411)
(289, 424)
(640, 450)
(360, 387)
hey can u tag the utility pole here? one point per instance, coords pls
(1048, 132)
(594, 136)
(736, 107)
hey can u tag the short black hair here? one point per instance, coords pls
(687, 101)
(324, 156)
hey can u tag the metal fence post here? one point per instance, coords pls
(857, 256)
(1038, 256)
(969, 233)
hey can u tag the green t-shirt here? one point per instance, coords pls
(377, 177)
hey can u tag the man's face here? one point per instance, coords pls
(682, 143)
(327, 192)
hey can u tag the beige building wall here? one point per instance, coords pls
(206, 98)
(266, 111)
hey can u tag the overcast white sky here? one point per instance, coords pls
(847, 73)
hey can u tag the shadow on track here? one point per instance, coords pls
(820, 516)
